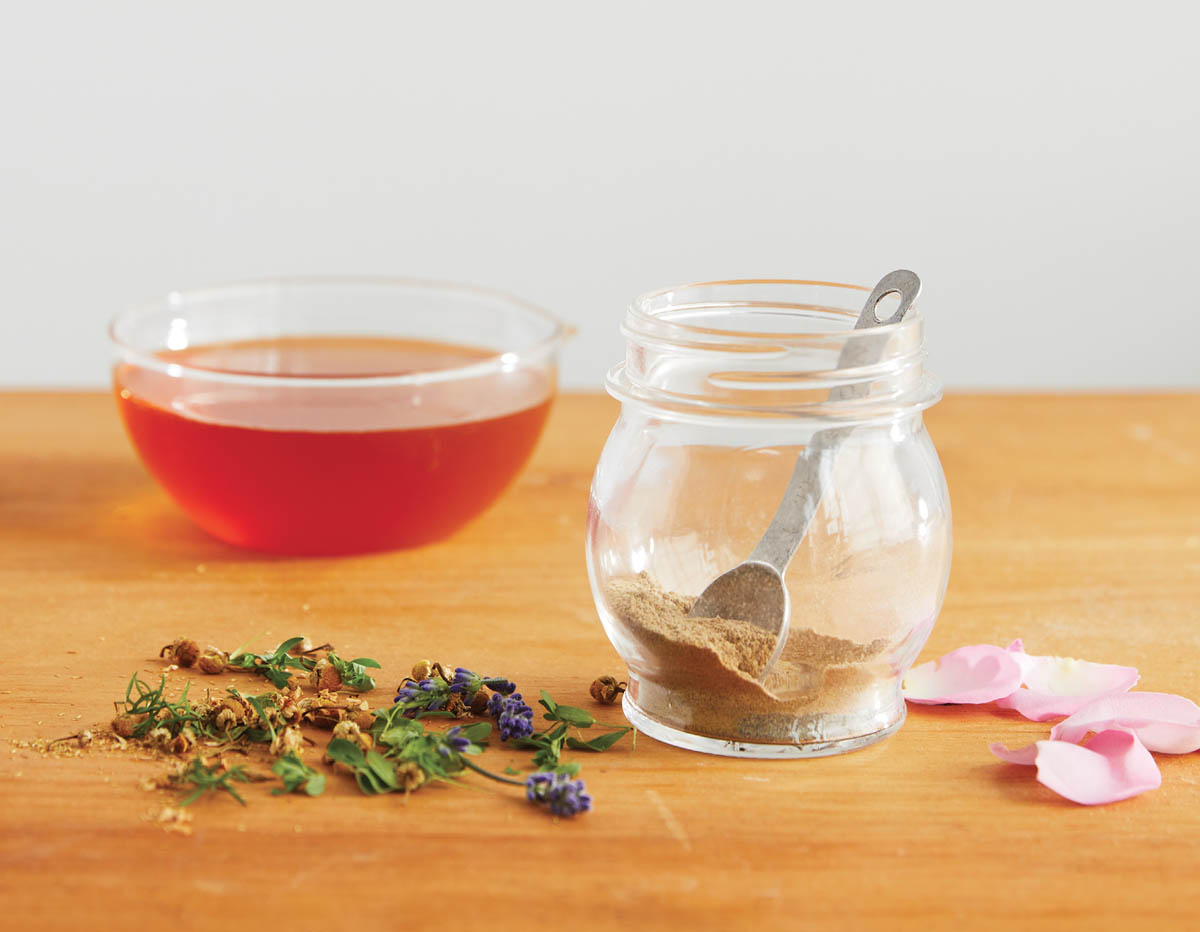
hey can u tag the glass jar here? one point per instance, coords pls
(723, 386)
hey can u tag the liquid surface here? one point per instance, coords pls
(327, 357)
(324, 469)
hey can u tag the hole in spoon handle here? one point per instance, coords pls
(901, 282)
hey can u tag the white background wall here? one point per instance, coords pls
(1036, 163)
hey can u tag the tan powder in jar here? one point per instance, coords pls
(702, 674)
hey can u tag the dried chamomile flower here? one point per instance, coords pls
(423, 669)
(352, 733)
(212, 661)
(323, 715)
(479, 703)
(125, 723)
(182, 742)
(410, 776)
(325, 675)
(183, 651)
(288, 740)
(607, 689)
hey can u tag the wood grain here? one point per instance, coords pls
(1077, 526)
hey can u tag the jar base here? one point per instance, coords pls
(734, 748)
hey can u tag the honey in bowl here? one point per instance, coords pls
(304, 462)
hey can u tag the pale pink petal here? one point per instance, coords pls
(1163, 722)
(1114, 766)
(976, 674)
(1026, 755)
(1058, 686)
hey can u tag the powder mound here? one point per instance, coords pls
(703, 674)
(821, 650)
(646, 607)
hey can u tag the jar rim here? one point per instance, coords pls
(640, 314)
(771, 347)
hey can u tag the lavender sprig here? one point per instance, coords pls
(564, 796)
(469, 683)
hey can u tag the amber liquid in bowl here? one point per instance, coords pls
(332, 469)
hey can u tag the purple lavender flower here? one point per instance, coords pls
(512, 715)
(499, 684)
(564, 796)
(464, 681)
(469, 683)
(457, 741)
(405, 694)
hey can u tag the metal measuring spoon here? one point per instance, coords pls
(754, 590)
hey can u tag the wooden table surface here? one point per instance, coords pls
(1077, 526)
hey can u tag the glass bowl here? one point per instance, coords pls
(335, 415)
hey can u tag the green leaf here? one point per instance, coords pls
(277, 677)
(477, 732)
(548, 702)
(600, 743)
(367, 662)
(381, 768)
(295, 774)
(352, 673)
(511, 771)
(568, 713)
(346, 752)
(368, 782)
(282, 649)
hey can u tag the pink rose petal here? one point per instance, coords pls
(1114, 766)
(976, 674)
(1026, 755)
(1058, 686)
(1163, 722)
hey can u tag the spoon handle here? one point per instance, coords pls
(813, 467)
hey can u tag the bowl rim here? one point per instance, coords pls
(502, 360)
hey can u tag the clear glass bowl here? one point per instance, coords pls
(335, 415)
(723, 386)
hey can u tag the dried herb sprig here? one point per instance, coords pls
(353, 673)
(296, 775)
(410, 756)
(549, 744)
(276, 666)
(148, 715)
(212, 778)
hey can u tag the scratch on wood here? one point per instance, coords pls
(673, 825)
